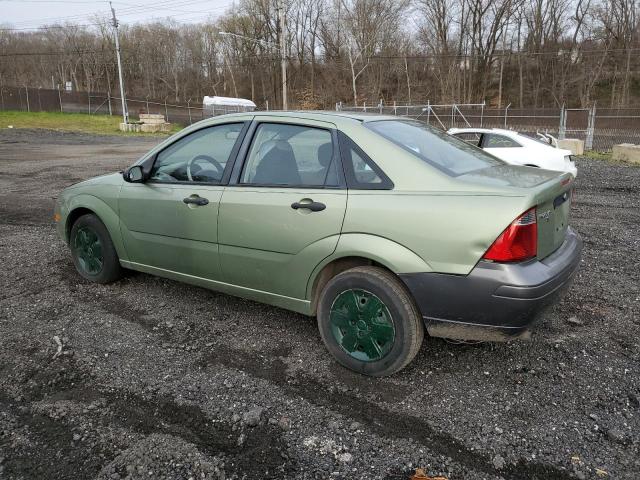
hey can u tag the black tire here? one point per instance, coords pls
(109, 265)
(406, 320)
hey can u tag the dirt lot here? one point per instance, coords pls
(161, 380)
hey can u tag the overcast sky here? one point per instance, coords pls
(25, 14)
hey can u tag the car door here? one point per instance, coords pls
(504, 148)
(283, 211)
(170, 220)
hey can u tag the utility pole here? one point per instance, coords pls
(125, 113)
(283, 58)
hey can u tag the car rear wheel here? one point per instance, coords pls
(92, 250)
(369, 322)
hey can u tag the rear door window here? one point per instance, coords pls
(471, 138)
(362, 173)
(291, 155)
(492, 140)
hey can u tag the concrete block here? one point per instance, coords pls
(129, 127)
(574, 144)
(152, 118)
(149, 127)
(155, 127)
(627, 152)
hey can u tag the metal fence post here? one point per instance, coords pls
(380, 105)
(26, 89)
(591, 123)
(482, 114)
(428, 112)
(506, 109)
(189, 110)
(166, 112)
(563, 124)
(395, 108)
(109, 100)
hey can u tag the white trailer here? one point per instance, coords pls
(221, 105)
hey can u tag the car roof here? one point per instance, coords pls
(483, 130)
(326, 115)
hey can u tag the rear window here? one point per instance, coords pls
(445, 152)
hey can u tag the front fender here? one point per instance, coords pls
(103, 211)
(395, 257)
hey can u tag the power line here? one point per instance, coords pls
(126, 11)
(557, 53)
(338, 60)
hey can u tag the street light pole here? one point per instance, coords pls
(125, 113)
(283, 58)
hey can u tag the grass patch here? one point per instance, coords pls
(598, 155)
(72, 122)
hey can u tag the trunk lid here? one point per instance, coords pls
(553, 204)
(510, 176)
(548, 191)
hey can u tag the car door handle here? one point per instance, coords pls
(196, 200)
(313, 206)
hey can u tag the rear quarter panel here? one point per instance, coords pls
(448, 232)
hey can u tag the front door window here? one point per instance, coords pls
(201, 156)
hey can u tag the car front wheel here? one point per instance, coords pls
(92, 250)
(369, 322)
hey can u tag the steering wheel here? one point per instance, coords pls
(212, 161)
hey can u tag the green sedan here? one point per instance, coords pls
(381, 227)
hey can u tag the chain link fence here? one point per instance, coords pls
(48, 100)
(599, 128)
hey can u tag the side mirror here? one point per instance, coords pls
(133, 174)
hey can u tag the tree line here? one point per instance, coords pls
(527, 53)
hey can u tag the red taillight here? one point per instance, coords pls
(518, 242)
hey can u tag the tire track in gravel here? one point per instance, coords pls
(382, 421)
(52, 453)
(51, 438)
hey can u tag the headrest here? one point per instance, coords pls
(325, 154)
(270, 145)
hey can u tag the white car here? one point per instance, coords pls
(518, 149)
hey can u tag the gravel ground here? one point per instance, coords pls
(158, 379)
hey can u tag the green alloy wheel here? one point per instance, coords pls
(361, 324)
(92, 250)
(369, 322)
(89, 250)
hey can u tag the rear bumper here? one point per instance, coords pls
(495, 301)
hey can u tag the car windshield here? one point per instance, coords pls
(445, 152)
